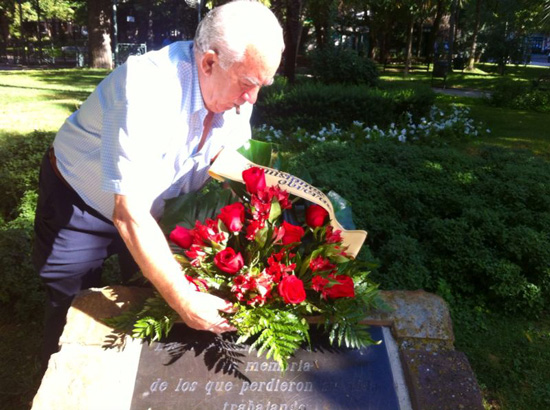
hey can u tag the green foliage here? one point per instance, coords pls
(20, 287)
(481, 224)
(20, 158)
(152, 321)
(277, 332)
(343, 66)
(510, 357)
(313, 105)
(534, 95)
(19, 165)
(198, 206)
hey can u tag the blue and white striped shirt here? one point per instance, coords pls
(138, 133)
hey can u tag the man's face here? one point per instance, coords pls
(224, 89)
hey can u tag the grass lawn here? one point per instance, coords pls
(483, 78)
(42, 99)
(510, 358)
(509, 128)
(509, 355)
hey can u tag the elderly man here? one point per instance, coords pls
(148, 133)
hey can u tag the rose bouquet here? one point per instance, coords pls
(278, 272)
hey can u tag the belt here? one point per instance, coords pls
(53, 162)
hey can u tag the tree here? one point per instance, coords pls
(99, 31)
(293, 10)
(473, 41)
(382, 23)
(415, 10)
(509, 24)
(323, 13)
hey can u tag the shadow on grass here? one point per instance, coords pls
(87, 78)
(57, 93)
(73, 78)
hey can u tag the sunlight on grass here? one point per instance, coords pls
(42, 99)
(484, 77)
(509, 128)
(26, 110)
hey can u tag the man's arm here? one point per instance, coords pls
(148, 246)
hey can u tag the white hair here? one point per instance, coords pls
(231, 28)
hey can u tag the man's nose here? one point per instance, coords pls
(251, 95)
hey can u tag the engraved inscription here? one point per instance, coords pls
(186, 374)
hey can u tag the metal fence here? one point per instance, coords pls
(125, 50)
(61, 56)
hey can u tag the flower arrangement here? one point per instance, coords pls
(277, 273)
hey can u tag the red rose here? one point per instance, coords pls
(228, 261)
(342, 289)
(292, 233)
(182, 237)
(254, 179)
(316, 216)
(232, 216)
(292, 290)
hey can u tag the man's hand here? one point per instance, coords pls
(149, 248)
(201, 311)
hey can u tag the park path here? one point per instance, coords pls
(462, 92)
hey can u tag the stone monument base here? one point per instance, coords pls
(92, 372)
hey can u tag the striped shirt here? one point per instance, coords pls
(138, 133)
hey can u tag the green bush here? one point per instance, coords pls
(343, 66)
(20, 287)
(533, 96)
(20, 158)
(480, 224)
(314, 105)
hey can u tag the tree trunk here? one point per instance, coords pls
(409, 46)
(473, 46)
(293, 32)
(420, 38)
(435, 30)
(452, 24)
(99, 31)
(4, 33)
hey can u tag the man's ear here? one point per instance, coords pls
(208, 59)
